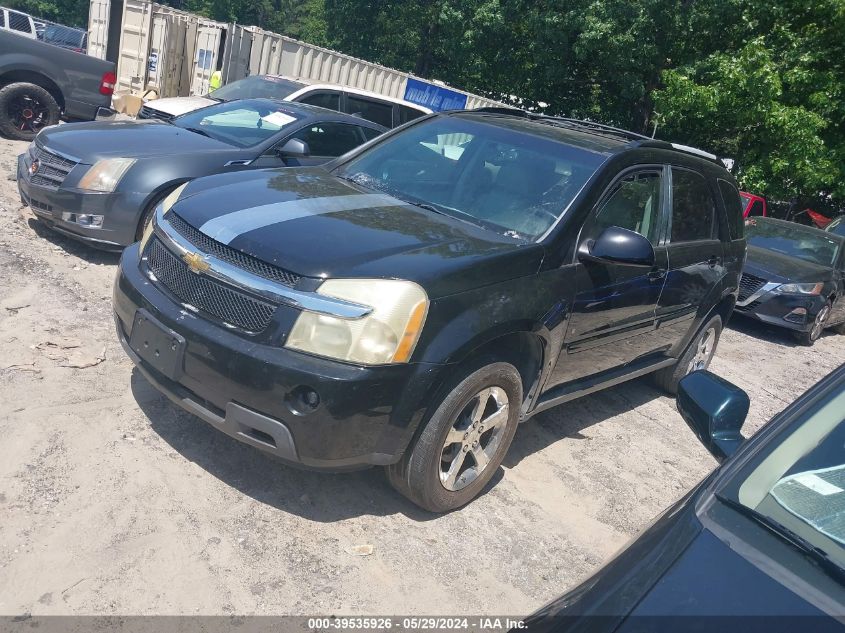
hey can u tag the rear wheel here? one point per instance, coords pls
(25, 109)
(697, 356)
(463, 442)
(815, 332)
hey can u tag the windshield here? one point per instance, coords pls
(513, 181)
(799, 483)
(795, 240)
(240, 123)
(255, 87)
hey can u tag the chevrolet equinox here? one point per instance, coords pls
(409, 304)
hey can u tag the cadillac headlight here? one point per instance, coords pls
(388, 334)
(105, 175)
(166, 205)
(801, 289)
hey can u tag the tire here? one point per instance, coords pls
(809, 338)
(693, 358)
(147, 215)
(839, 329)
(418, 474)
(25, 109)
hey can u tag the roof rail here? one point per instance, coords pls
(695, 150)
(599, 127)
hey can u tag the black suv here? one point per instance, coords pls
(410, 304)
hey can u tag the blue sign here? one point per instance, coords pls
(434, 97)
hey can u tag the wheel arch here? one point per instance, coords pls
(33, 77)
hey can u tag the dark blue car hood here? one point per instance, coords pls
(317, 225)
(780, 268)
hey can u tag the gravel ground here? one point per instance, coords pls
(115, 502)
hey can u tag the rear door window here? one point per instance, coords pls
(693, 208)
(408, 114)
(375, 111)
(323, 99)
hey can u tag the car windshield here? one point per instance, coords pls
(241, 123)
(795, 240)
(798, 483)
(514, 180)
(258, 86)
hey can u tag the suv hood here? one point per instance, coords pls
(175, 106)
(780, 268)
(89, 142)
(316, 225)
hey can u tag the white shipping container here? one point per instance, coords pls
(98, 27)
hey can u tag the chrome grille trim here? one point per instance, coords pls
(236, 277)
(211, 246)
(200, 292)
(53, 167)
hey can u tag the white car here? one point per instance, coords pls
(17, 22)
(374, 107)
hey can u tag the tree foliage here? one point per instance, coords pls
(761, 81)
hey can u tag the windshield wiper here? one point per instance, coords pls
(196, 130)
(821, 557)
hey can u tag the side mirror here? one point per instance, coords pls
(294, 148)
(715, 410)
(618, 246)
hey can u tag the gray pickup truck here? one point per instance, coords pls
(41, 83)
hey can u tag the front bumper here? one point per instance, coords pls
(121, 211)
(242, 384)
(779, 309)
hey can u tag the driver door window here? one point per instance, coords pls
(633, 204)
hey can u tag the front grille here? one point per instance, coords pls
(147, 112)
(748, 285)
(206, 294)
(52, 168)
(750, 306)
(211, 246)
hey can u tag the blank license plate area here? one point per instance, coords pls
(158, 345)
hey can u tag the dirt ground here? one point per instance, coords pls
(113, 501)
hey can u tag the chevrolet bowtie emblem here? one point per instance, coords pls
(34, 167)
(196, 263)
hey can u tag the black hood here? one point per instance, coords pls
(317, 225)
(90, 142)
(780, 268)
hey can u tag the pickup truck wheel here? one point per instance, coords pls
(464, 441)
(697, 356)
(25, 109)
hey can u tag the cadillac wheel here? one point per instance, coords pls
(463, 442)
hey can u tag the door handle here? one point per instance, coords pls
(714, 261)
(657, 274)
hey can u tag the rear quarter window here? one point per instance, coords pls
(19, 22)
(733, 207)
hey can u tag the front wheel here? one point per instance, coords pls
(697, 356)
(463, 442)
(820, 322)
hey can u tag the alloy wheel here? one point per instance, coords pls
(818, 324)
(474, 438)
(705, 346)
(26, 112)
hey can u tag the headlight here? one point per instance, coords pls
(166, 205)
(104, 175)
(801, 289)
(388, 334)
